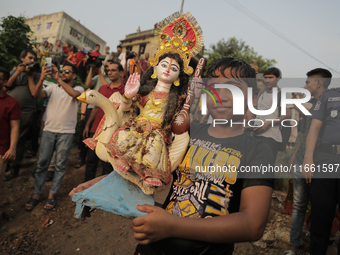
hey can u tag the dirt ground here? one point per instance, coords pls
(22, 232)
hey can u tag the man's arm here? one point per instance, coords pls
(246, 225)
(125, 78)
(89, 122)
(101, 77)
(89, 82)
(36, 89)
(69, 59)
(11, 153)
(19, 70)
(311, 141)
(68, 89)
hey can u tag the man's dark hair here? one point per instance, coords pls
(128, 48)
(238, 67)
(119, 46)
(120, 67)
(5, 73)
(74, 68)
(23, 54)
(324, 73)
(273, 70)
(97, 45)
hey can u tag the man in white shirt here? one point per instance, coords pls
(270, 132)
(60, 124)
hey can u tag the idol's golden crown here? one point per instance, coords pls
(179, 34)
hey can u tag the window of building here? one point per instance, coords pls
(141, 49)
(49, 25)
(38, 27)
(45, 39)
(82, 38)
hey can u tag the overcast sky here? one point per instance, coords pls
(311, 24)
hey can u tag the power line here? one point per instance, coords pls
(267, 26)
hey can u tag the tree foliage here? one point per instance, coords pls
(14, 38)
(237, 49)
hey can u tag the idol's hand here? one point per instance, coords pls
(197, 88)
(132, 85)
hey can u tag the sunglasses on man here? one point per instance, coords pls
(66, 71)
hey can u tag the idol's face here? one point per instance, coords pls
(168, 70)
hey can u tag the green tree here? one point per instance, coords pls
(237, 49)
(14, 37)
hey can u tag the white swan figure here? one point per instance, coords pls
(116, 118)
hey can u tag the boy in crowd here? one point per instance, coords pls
(271, 133)
(206, 212)
(10, 115)
(61, 120)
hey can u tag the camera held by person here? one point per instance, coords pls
(33, 67)
(95, 61)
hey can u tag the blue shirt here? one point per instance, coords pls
(327, 110)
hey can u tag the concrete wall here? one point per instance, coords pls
(66, 36)
(61, 28)
(137, 39)
(42, 20)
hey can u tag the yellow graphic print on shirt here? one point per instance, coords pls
(202, 187)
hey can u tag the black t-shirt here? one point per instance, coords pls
(208, 183)
(22, 93)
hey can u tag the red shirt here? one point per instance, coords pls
(9, 110)
(95, 53)
(79, 56)
(73, 59)
(107, 92)
(144, 63)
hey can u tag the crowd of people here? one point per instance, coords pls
(248, 201)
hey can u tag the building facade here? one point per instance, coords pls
(60, 25)
(146, 42)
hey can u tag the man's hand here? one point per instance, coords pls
(262, 129)
(55, 73)
(86, 132)
(45, 71)
(308, 169)
(158, 224)
(20, 68)
(132, 85)
(9, 155)
(97, 70)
